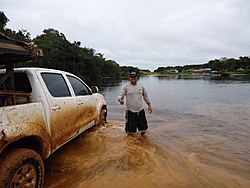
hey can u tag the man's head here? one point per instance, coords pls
(133, 77)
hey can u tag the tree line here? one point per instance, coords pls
(219, 65)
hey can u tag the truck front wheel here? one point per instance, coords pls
(21, 168)
(103, 117)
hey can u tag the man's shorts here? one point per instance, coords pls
(136, 120)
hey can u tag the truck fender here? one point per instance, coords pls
(17, 132)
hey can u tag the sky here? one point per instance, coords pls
(142, 33)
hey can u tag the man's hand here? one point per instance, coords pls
(149, 108)
(121, 101)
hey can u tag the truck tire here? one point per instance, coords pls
(103, 117)
(21, 168)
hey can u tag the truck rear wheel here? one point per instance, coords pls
(21, 168)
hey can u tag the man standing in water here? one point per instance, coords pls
(135, 114)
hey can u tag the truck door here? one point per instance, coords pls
(63, 108)
(85, 100)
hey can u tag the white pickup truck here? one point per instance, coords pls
(50, 108)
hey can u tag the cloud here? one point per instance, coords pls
(142, 33)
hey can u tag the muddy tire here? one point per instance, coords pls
(103, 117)
(21, 168)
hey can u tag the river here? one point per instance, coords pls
(199, 136)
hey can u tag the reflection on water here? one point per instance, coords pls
(199, 136)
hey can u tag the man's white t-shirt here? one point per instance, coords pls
(134, 95)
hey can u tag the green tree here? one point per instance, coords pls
(244, 62)
(22, 34)
(59, 53)
(111, 69)
(3, 21)
(56, 49)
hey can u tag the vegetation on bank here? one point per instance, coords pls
(59, 53)
(241, 65)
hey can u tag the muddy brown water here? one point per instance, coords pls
(197, 138)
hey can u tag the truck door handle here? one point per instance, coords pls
(56, 108)
(80, 103)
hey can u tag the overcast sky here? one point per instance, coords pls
(144, 33)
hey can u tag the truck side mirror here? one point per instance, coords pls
(94, 89)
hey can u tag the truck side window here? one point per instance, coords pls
(56, 84)
(22, 82)
(79, 87)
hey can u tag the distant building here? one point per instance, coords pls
(208, 70)
(199, 71)
(172, 71)
(240, 70)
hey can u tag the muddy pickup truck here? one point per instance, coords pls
(47, 109)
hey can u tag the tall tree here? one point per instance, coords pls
(55, 47)
(22, 34)
(3, 21)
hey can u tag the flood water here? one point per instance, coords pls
(199, 136)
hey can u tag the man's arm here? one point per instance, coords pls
(121, 95)
(146, 98)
